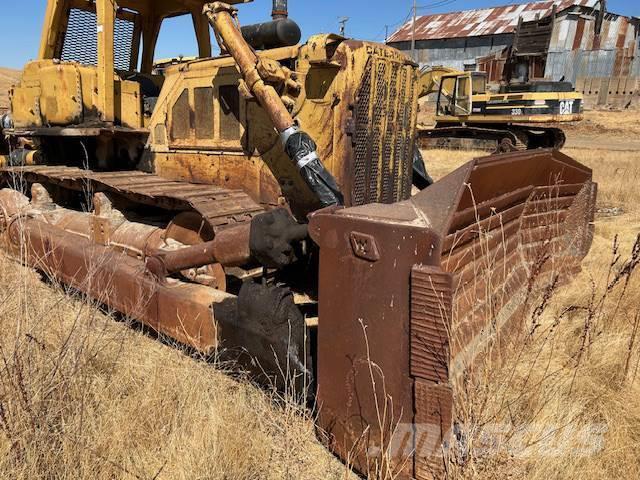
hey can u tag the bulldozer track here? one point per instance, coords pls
(220, 207)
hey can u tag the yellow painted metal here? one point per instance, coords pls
(331, 71)
(203, 37)
(51, 28)
(231, 142)
(434, 80)
(150, 32)
(430, 79)
(128, 104)
(63, 94)
(106, 11)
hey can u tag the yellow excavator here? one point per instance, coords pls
(515, 116)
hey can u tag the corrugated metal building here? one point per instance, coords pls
(566, 30)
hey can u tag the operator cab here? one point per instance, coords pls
(90, 38)
(456, 93)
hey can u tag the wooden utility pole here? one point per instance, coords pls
(343, 25)
(413, 30)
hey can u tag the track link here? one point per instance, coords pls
(521, 137)
(220, 207)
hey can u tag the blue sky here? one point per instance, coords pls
(21, 21)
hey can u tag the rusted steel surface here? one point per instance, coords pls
(487, 21)
(261, 327)
(618, 33)
(364, 276)
(219, 206)
(456, 258)
(180, 310)
(229, 248)
(431, 297)
(384, 123)
(433, 418)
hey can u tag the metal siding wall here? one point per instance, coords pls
(635, 67)
(455, 53)
(578, 63)
(612, 35)
(563, 61)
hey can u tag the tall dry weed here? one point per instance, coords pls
(82, 395)
(561, 402)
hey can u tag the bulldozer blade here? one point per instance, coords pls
(412, 294)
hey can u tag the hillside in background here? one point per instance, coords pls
(7, 78)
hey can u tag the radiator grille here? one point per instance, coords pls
(81, 40)
(385, 128)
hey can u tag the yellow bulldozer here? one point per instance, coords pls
(261, 206)
(514, 117)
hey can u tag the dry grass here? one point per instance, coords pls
(624, 124)
(83, 396)
(564, 401)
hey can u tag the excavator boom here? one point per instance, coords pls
(431, 78)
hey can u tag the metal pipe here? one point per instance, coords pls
(297, 144)
(280, 9)
(230, 248)
(247, 62)
(413, 31)
(281, 32)
(183, 311)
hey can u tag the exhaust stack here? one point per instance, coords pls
(280, 9)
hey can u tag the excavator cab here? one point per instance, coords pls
(456, 93)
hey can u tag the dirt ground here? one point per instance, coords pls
(8, 77)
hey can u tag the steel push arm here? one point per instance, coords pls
(298, 145)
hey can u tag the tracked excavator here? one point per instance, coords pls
(258, 206)
(514, 117)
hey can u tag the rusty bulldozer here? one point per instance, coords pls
(259, 205)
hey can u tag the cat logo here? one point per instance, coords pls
(566, 107)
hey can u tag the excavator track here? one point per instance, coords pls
(220, 207)
(515, 138)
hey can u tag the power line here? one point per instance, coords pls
(390, 28)
(441, 3)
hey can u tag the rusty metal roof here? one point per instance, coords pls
(486, 21)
